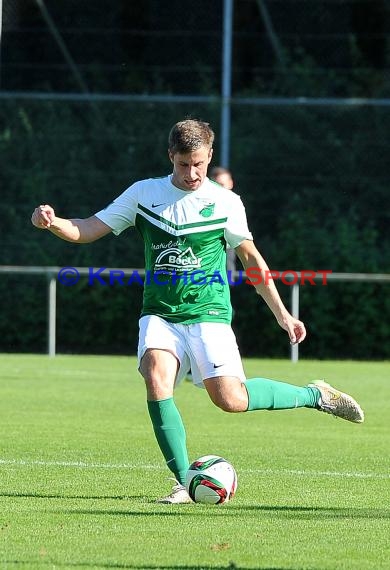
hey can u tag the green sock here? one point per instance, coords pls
(171, 436)
(264, 394)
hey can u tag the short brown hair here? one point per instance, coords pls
(189, 135)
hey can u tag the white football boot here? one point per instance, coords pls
(177, 496)
(334, 402)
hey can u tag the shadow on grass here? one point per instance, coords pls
(306, 513)
(227, 510)
(317, 512)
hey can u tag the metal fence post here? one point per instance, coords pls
(295, 313)
(226, 81)
(51, 316)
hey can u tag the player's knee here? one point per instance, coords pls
(232, 405)
(228, 394)
(228, 407)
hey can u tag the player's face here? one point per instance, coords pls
(190, 170)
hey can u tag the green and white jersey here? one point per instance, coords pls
(185, 235)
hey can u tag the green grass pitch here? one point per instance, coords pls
(80, 471)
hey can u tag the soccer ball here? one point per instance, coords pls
(211, 480)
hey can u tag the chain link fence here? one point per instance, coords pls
(280, 47)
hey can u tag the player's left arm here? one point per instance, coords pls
(259, 274)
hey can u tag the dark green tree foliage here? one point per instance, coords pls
(314, 179)
(314, 183)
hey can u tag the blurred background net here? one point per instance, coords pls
(154, 47)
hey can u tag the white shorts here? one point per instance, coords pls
(209, 350)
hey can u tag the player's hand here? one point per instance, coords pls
(43, 216)
(294, 327)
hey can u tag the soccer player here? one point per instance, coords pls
(185, 320)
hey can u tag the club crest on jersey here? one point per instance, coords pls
(207, 210)
(177, 260)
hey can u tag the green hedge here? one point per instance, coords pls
(314, 181)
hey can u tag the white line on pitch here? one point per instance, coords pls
(295, 472)
(82, 464)
(303, 473)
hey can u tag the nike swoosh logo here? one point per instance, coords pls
(157, 205)
(218, 365)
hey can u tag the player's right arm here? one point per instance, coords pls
(76, 230)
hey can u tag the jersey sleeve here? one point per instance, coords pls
(236, 229)
(121, 213)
